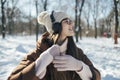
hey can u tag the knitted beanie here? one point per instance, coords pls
(44, 19)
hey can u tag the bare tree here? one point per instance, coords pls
(78, 29)
(10, 15)
(37, 28)
(76, 20)
(3, 18)
(45, 5)
(30, 23)
(79, 18)
(101, 26)
(44, 8)
(95, 15)
(44, 2)
(87, 13)
(103, 22)
(116, 22)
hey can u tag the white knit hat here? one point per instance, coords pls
(44, 19)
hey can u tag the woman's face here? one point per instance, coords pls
(67, 27)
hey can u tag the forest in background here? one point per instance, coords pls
(93, 18)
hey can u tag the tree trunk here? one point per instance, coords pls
(11, 23)
(3, 18)
(76, 27)
(45, 8)
(88, 25)
(116, 23)
(79, 20)
(102, 30)
(95, 24)
(30, 23)
(37, 28)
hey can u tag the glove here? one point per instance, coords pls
(45, 59)
(67, 63)
(54, 50)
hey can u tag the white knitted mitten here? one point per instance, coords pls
(67, 63)
(45, 59)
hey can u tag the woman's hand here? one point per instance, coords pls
(45, 59)
(47, 56)
(67, 63)
(54, 50)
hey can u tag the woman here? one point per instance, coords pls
(56, 56)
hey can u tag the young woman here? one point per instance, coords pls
(56, 56)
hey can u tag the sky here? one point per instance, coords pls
(27, 6)
(53, 5)
(24, 5)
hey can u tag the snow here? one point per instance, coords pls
(104, 55)
(102, 52)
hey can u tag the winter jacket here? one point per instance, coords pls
(26, 69)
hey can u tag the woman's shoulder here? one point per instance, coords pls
(45, 38)
(46, 34)
(80, 50)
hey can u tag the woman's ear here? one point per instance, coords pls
(63, 47)
(57, 28)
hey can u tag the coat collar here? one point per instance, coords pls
(51, 36)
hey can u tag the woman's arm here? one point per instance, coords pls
(45, 59)
(88, 68)
(84, 72)
(26, 69)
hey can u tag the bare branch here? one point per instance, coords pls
(4, 2)
(13, 7)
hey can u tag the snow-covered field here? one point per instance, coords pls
(102, 52)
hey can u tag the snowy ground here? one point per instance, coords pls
(104, 55)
